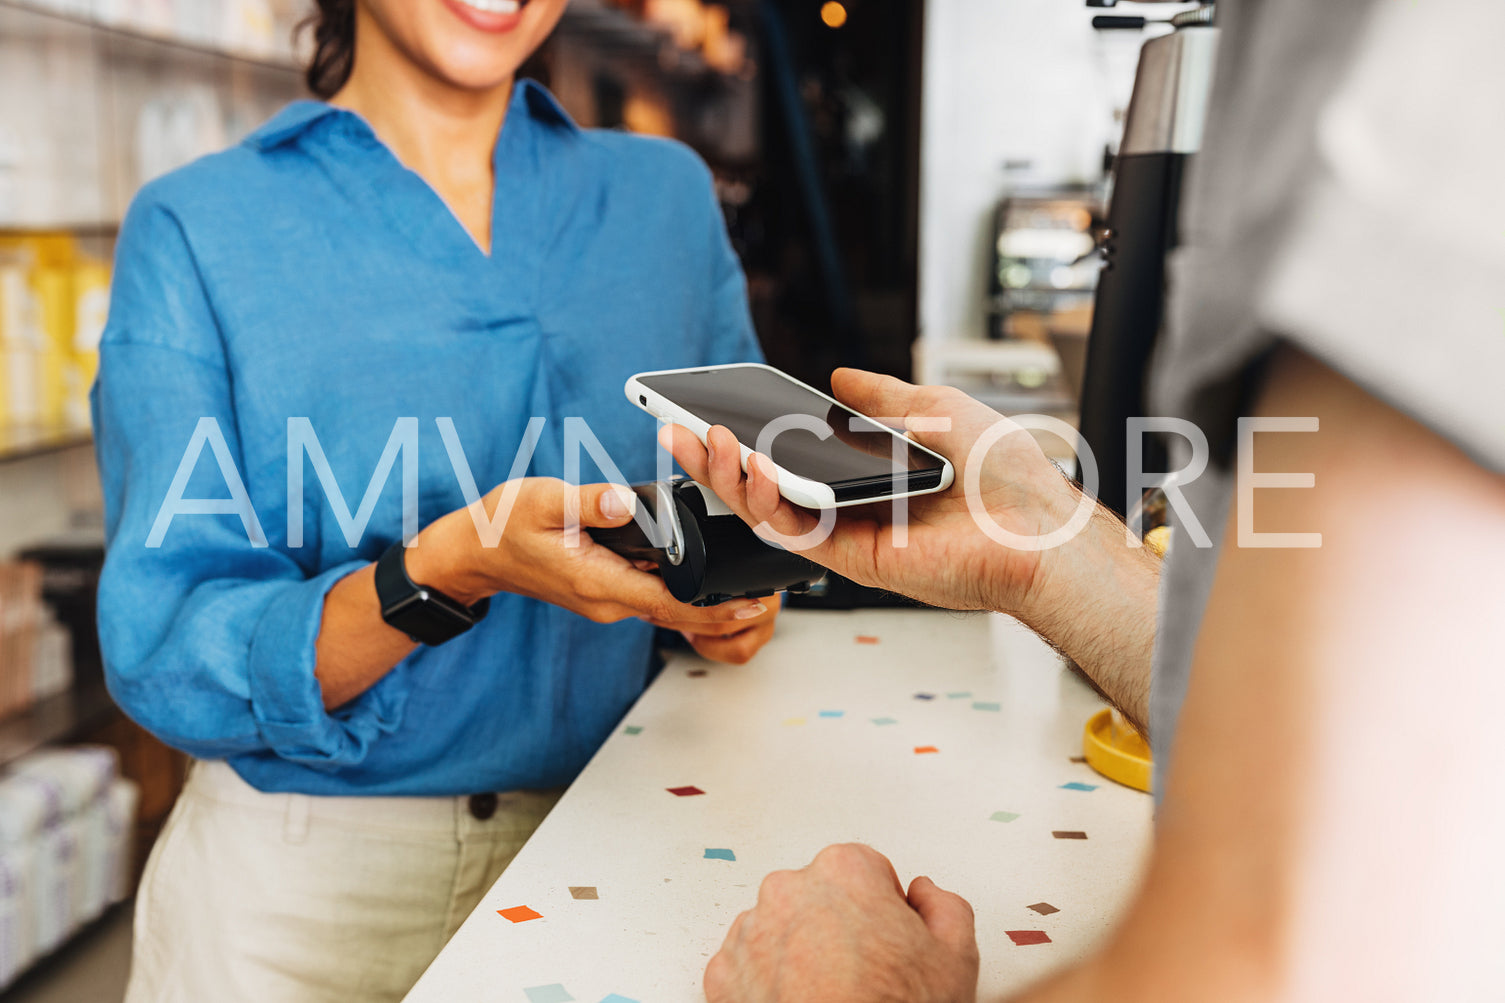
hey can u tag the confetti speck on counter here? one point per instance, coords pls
(866, 639)
(583, 892)
(633, 729)
(696, 673)
(518, 914)
(1024, 938)
(617, 998)
(920, 750)
(553, 993)
(832, 713)
(684, 792)
(924, 696)
(1043, 908)
(1077, 785)
(719, 854)
(960, 694)
(793, 722)
(1068, 834)
(1003, 816)
(984, 705)
(884, 720)
(1078, 759)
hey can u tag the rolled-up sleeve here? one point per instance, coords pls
(208, 636)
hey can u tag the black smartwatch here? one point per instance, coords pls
(423, 613)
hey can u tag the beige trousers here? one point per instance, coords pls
(297, 899)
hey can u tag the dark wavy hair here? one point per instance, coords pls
(333, 26)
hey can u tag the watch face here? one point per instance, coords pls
(427, 619)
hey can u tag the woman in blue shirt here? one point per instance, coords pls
(384, 305)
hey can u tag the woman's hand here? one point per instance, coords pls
(544, 552)
(735, 643)
(940, 556)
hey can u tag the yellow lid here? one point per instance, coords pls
(1117, 751)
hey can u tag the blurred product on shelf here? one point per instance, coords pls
(1044, 258)
(53, 302)
(66, 819)
(253, 28)
(36, 652)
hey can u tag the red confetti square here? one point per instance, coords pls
(519, 914)
(1024, 938)
(684, 792)
(920, 750)
(866, 639)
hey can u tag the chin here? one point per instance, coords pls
(478, 60)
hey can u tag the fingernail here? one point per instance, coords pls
(748, 612)
(619, 502)
(764, 465)
(710, 450)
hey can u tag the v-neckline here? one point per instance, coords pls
(508, 135)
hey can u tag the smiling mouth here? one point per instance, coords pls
(495, 6)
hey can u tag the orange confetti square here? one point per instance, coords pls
(866, 639)
(920, 750)
(519, 914)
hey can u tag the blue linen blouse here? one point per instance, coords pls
(306, 274)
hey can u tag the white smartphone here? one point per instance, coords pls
(827, 455)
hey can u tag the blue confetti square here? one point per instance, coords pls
(719, 854)
(884, 720)
(832, 713)
(617, 998)
(554, 993)
(984, 705)
(1075, 786)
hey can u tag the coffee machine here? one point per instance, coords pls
(1162, 130)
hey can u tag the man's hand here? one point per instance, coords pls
(843, 931)
(1093, 597)
(946, 559)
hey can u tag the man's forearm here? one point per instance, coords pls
(1095, 602)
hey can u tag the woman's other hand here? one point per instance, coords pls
(734, 643)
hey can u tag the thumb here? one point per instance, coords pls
(947, 915)
(603, 505)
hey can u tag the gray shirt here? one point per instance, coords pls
(1347, 201)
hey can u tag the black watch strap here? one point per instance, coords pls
(423, 613)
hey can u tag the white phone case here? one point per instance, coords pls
(800, 490)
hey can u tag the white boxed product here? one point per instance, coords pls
(120, 828)
(18, 938)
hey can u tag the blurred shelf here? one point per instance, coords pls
(153, 40)
(69, 714)
(77, 228)
(24, 441)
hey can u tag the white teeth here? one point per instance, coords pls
(494, 6)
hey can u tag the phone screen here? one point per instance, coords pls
(856, 460)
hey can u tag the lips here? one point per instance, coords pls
(492, 16)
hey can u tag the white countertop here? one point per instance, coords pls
(783, 776)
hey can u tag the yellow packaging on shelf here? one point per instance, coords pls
(53, 302)
(54, 290)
